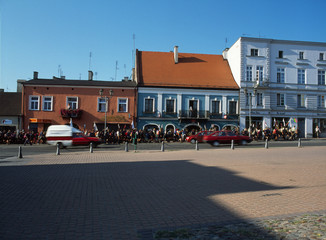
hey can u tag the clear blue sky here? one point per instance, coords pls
(40, 35)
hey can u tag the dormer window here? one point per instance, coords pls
(280, 54)
(254, 52)
(301, 55)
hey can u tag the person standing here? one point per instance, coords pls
(317, 131)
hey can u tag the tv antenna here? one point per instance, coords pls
(116, 70)
(90, 60)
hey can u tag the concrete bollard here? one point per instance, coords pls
(299, 143)
(91, 147)
(58, 149)
(266, 143)
(162, 147)
(232, 144)
(197, 148)
(126, 146)
(20, 154)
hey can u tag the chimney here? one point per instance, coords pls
(35, 75)
(90, 76)
(175, 54)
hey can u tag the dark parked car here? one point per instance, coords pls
(199, 136)
(225, 137)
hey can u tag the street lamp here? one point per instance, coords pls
(106, 104)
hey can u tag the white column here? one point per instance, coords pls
(179, 103)
(242, 122)
(224, 105)
(206, 102)
(308, 127)
(267, 123)
(159, 103)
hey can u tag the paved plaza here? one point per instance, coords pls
(128, 195)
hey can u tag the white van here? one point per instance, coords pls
(65, 135)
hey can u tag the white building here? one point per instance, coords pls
(280, 80)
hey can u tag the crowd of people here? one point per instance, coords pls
(21, 137)
(147, 135)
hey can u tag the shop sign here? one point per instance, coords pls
(6, 121)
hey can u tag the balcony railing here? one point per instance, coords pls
(193, 114)
(71, 113)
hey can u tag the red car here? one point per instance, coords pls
(199, 136)
(225, 137)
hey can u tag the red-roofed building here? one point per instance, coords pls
(185, 91)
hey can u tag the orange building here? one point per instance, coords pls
(88, 104)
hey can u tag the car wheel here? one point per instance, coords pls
(244, 142)
(215, 143)
(193, 141)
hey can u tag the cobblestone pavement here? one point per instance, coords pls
(106, 195)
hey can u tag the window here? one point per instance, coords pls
(300, 100)
(321, 56)
(72, 102)
(47, 103)
(249, 74)
(321, 101)
(280, 100)
(301, 55)
(149, 105)
(232, 107)
(253, 52)
(259, 73)
(321, 77)
(123, 105)
(34, 102)
(280, 54)
(215, 106)
(248, 99)
(101, 105)
(280, 75)
(301, 76)
(259, 99)
(170, 103)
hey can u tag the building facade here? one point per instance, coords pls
(281, 82)
(87, 104)
(10, 110)
(185, 91)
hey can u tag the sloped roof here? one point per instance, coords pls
(158, 69)
(10, 103)
(86, 83)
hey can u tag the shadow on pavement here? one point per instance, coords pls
(113, 200)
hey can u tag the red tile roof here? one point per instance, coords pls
(157, 69)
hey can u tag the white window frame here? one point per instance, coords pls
(301, 55)
(249, 73)
(302, 103)
(126, 103)
(321, 77)
(100, 102)
(321, 56)
(67, 102)
(45, 102)
(301, 76)
(259, 99)
(193, 99)
(144, 108)
(174, 104)
(254, 52)
(32, 101)
(279, 102)
(259, 73)
(280, 77)
(219, 106)
(236, 106)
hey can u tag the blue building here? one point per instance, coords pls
(185, 91)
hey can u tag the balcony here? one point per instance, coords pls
(188, 114)
(70, 113)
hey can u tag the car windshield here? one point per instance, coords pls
(78, 135)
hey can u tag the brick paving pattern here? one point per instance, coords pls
(119, 195)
